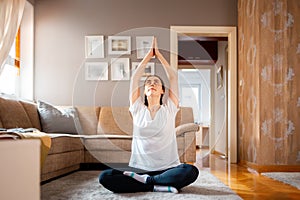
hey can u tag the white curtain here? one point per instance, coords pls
(11, 12)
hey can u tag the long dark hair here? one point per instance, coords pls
(163, 88)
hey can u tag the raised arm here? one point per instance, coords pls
(137, 74)
(171, 73)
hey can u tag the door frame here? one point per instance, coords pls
(216, 31)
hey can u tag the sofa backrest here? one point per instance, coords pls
(18, 114)
(115, 120)
(93, 120)
(118, 120)
(184, 115)
(88, 117)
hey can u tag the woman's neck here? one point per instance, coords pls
(153, 106)
(153, 101)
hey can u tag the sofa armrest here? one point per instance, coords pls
(189, 127)
(188, 134)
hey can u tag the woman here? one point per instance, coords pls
(154, 161)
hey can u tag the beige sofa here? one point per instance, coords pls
(104, 136)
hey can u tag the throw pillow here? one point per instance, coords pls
(58, 120)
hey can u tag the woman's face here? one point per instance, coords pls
(153, 86)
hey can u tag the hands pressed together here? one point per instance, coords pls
(154, 51)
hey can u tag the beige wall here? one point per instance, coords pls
(60, 27)
(269, 75)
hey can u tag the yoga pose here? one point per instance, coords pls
(154, 164)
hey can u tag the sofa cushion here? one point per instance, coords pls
(13, 114)
(110, 158)
(61, 164)
(32, 113)
(55, 120)
(88, 117)
(64, 143)
(115, 121)
(108, 142)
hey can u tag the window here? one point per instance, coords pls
(10, 73)
(17, 76)
(190, 97)
(194, 92)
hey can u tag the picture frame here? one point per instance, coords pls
(120, 69)
(149, 70)
(143, 45)
(220, 77)
(96, 71)
(94, 46)
(118, 45)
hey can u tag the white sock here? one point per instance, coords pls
(160, 188)
(140, 178)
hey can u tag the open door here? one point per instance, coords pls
(231, 76)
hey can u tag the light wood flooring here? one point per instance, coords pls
(248, 185)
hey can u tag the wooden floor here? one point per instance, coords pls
(248, 185)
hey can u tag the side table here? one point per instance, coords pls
(20, 169)
(202, 137)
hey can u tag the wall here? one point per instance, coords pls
(269, 76)
(60, 27)
(220, 103)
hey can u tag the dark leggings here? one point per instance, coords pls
(178, 177)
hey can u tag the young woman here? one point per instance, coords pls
(154, 163)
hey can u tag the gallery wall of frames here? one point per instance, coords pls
(117, 49)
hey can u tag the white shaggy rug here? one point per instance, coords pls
(84, 185)
(291, 178)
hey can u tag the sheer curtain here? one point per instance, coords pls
(11, 12)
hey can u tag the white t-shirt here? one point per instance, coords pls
(154, 145)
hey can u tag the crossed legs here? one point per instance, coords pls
(170, 180)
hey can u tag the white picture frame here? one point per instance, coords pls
(143, 45)
(149, 69)
(94, 46)
(96, 71)
(120, 69)
(119, 45)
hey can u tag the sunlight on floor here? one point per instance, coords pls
(244, 182)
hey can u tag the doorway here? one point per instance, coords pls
(231, 72)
